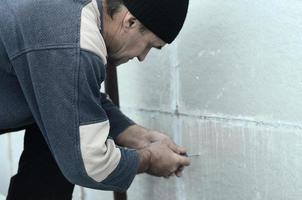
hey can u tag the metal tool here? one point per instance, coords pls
(189, 155)
(193, 155)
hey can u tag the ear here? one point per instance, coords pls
(130, 22)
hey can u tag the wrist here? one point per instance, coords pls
(144, 160)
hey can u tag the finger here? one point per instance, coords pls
(173, 146)
(181, 168)
(178, 173)
(184, 161)
(177, 149)
(182, 150)
(169, 175)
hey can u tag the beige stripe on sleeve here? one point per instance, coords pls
(91, 38)
(100, 155)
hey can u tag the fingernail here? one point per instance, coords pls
(184, 154)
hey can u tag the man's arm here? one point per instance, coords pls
(64, 98)
(128, 134)
(118, 121)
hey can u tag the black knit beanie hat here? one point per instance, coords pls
(164, 18)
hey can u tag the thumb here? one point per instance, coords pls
(182, 150)
(184, 161)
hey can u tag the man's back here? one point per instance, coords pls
(14, 111)
(28, 26)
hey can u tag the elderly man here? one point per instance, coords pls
(53, 58)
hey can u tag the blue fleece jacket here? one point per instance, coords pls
(52, 64)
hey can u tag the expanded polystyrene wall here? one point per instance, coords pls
(230, 89)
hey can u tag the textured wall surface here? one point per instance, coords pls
(230, 89)
(238, 160)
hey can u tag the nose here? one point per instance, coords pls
(143, 55)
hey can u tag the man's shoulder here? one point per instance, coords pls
(34, 24)
(91, 38)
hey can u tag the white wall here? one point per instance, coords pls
(229, 88)
(235, 58)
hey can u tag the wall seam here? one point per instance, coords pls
(223, 118)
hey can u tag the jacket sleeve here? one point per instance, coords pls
(118, 121)
(62, 88)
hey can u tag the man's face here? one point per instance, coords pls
(134, 42)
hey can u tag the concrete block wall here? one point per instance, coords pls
(230, 89)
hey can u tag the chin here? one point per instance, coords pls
(120, 62)
(115, 63)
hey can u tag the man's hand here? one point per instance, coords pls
(137, 137)
(158, 159)
(134, 137)
(155, 136)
